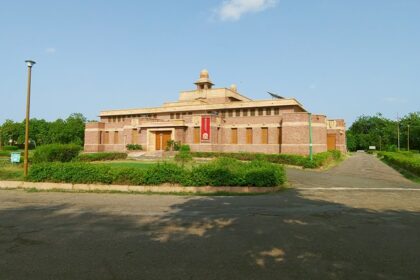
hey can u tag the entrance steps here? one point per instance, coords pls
(151, 155)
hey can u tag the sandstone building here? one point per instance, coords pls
(219, 120)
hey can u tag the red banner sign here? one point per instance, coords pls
(205, 128)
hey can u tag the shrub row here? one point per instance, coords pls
(56, 152)
(319, 159)
(134, 147)
(405, 160)
(101, 156)
(10, 148)
(220, 172)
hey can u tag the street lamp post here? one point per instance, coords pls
(29, 63)
(408, 137)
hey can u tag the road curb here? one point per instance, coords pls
(128, 188)
(357, 189)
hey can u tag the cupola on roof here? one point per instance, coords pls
(204, 81)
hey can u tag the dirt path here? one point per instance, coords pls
(359, 171)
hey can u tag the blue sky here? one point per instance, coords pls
(339, 58)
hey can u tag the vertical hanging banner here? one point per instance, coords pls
(205, 128)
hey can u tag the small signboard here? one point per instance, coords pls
(205, 128)
(15, 157)
(372, 147)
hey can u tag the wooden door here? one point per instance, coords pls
(331, 142)
(196, 135)
(249, 135)
(234, 136)
(162, 138)
(264, 135)
(158, 142)
(166, 136)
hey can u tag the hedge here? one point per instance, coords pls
(101, 156)
(319, 159)
(405, 160)
(56, 152)
(10, 148)
(220, 172)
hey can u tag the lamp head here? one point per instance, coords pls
(30, 63)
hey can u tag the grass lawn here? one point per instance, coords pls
(137, 164)
(9, 171)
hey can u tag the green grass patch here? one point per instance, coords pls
(101, 156)
(133, 164)
(9, 172)
(319, 160)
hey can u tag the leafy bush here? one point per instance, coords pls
(231, 172)
(220, 172)
(405, 160)
(10, 148)
(134, 147)
(184, 154)
(101, 156)
(56, 152)
(173, 145)
(4, 153)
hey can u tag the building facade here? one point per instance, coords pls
(218, 120)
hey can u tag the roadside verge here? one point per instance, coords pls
(167, 188)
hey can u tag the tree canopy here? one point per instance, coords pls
(70, 130)
(383, 133)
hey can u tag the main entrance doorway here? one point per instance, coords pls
(162, 138)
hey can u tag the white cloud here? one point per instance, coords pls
(234, 9)
(50, 50)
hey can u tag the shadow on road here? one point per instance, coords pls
(284, 236)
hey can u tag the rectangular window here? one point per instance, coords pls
(230, 113)
(106, 138)
(249, 135)
(264, 135)
(116, 137)
(172, 116)
(178, 115)
(268, 111)
(237, 113)
(260, 111)
(223, 113)
(245, 112)
(276, 111)
(134, 136)
(234, 136)
(196, 135)
(252, 112)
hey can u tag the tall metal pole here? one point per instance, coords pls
(398, 132)
(408, 137)
(310, 136)
(30, 63)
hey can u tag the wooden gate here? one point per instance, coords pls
(331, 142)
(162, 138)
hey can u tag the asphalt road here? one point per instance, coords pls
(303, 233)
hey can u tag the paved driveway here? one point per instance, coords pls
(296, 234)
(359, 171)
